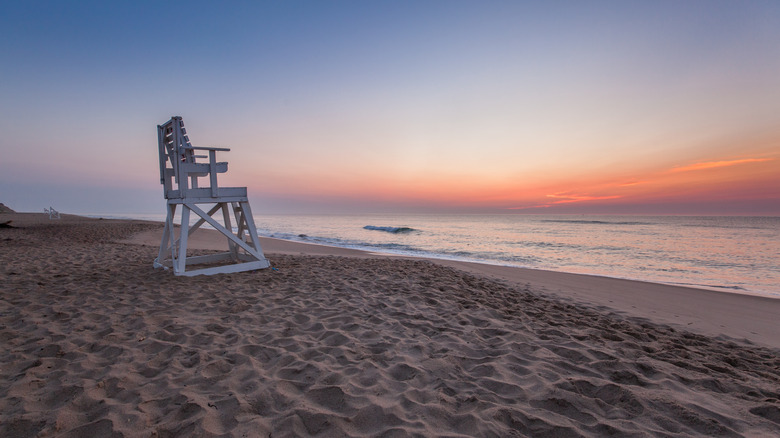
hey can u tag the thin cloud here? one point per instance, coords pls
(565, 198)
(716, 164)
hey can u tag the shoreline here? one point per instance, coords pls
(333, 342)
(499, 265)
(709, 312)
(749, 287)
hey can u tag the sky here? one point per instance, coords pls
(598, 107)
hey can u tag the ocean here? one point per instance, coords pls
(732, 254)
(737, 254)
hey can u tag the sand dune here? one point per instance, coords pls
(97, 343)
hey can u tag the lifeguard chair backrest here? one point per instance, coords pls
(169, 142)
(174, 149)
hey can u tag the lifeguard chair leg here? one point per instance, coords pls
(250, 225)
(232, 248)
(184, 233)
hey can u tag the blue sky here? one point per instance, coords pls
(386, 106)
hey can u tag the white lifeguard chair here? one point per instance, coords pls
(179, 174)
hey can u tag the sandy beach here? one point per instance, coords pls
(334, 342)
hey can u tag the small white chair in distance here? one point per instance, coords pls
(53, 214)
(180, 172)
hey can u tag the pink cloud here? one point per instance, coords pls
(565, 198)
(715, 164)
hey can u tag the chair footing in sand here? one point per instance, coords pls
(243, 247)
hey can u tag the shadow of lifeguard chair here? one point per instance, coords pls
(179, 175)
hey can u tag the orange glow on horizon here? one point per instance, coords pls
(755, 177)
(751, 178)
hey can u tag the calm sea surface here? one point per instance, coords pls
(736, 254)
